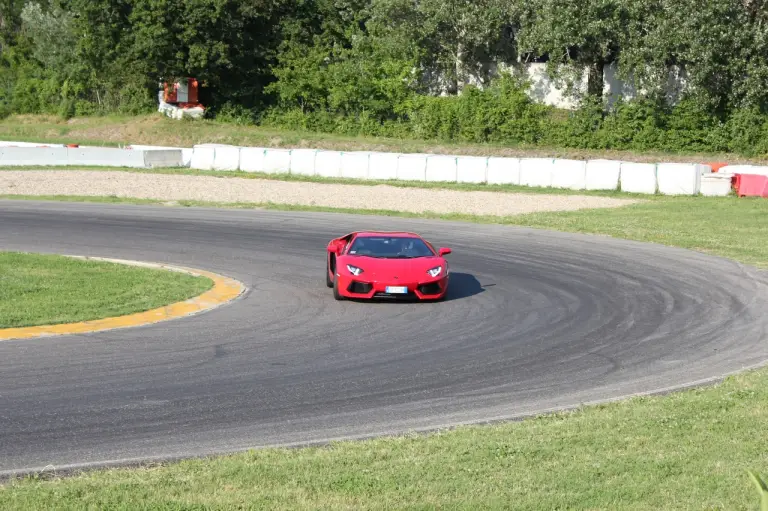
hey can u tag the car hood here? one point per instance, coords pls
(388, 268)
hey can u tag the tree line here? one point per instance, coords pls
(432, 69)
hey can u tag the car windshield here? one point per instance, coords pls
(390, 247)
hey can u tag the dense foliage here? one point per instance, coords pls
(434, 69)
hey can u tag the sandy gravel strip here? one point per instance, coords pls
(213, 189)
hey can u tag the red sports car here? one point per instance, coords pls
(386, 265)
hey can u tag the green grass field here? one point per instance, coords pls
(38, 289)
(158, 130)
(689, 450)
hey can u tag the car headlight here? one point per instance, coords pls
(434, 272)
(354, 270)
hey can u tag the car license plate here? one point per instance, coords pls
(397, 290)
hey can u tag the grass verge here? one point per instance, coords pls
(689, 450)
(38, 289)
(159, 130)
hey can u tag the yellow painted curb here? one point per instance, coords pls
(224, 290)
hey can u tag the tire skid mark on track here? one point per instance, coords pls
(539, 321)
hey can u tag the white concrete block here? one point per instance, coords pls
(471, 169)
(570, 174)
(277, 161)
(638, 177)
(226, 158)
(252, 159)
(104, 157)
(602, 174)
(680, 178)
(382, 166)
(202, 158)
(717, 184)
(328, 164)
(163, 158)
(354, 164)
(33, 156)
(412, 167)
(440, 168)
(186, 152)
(536, 172)
(503, 171)
(303, 162)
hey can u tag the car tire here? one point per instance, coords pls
(328, 280)
(336, 294)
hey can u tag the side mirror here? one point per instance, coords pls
(444, 251)
(334, 247)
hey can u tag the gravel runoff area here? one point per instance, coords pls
(169, 187)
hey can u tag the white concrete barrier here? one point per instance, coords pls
(226, 158)
(303, 162)
(33, 156)
(536, 172)
(440, 168)
(602, 175)
(163, 158)
(186, 152)
(638, 177)
(354, 164)
(471, 169)
(680, 178)
(503, 171)
(202, 158)
(104, 157)
(412, 167)
(328, 164)
(252, 159)
(382, 166)
(717, 184)
(570, 174)
(641, 178)
(277, 161)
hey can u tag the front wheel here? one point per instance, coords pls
(336, 294)
(328, 281)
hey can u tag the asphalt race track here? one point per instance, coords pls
(534, 321)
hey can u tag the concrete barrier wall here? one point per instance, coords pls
(328, 164)
(503, 171)
(277, 161)
(382, 166)
(642, 178)
(88, 157)
(412, 167)
(602, 175)
(680, 178)
(186, 152)
(536, 172)
(440, 168)
(303, 162)
(638, 177)
(471, 169)
(354, 165)
(570, 174)
(34, 156)
(252, 159)
(226, 158)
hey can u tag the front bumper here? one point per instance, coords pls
(425, 289)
